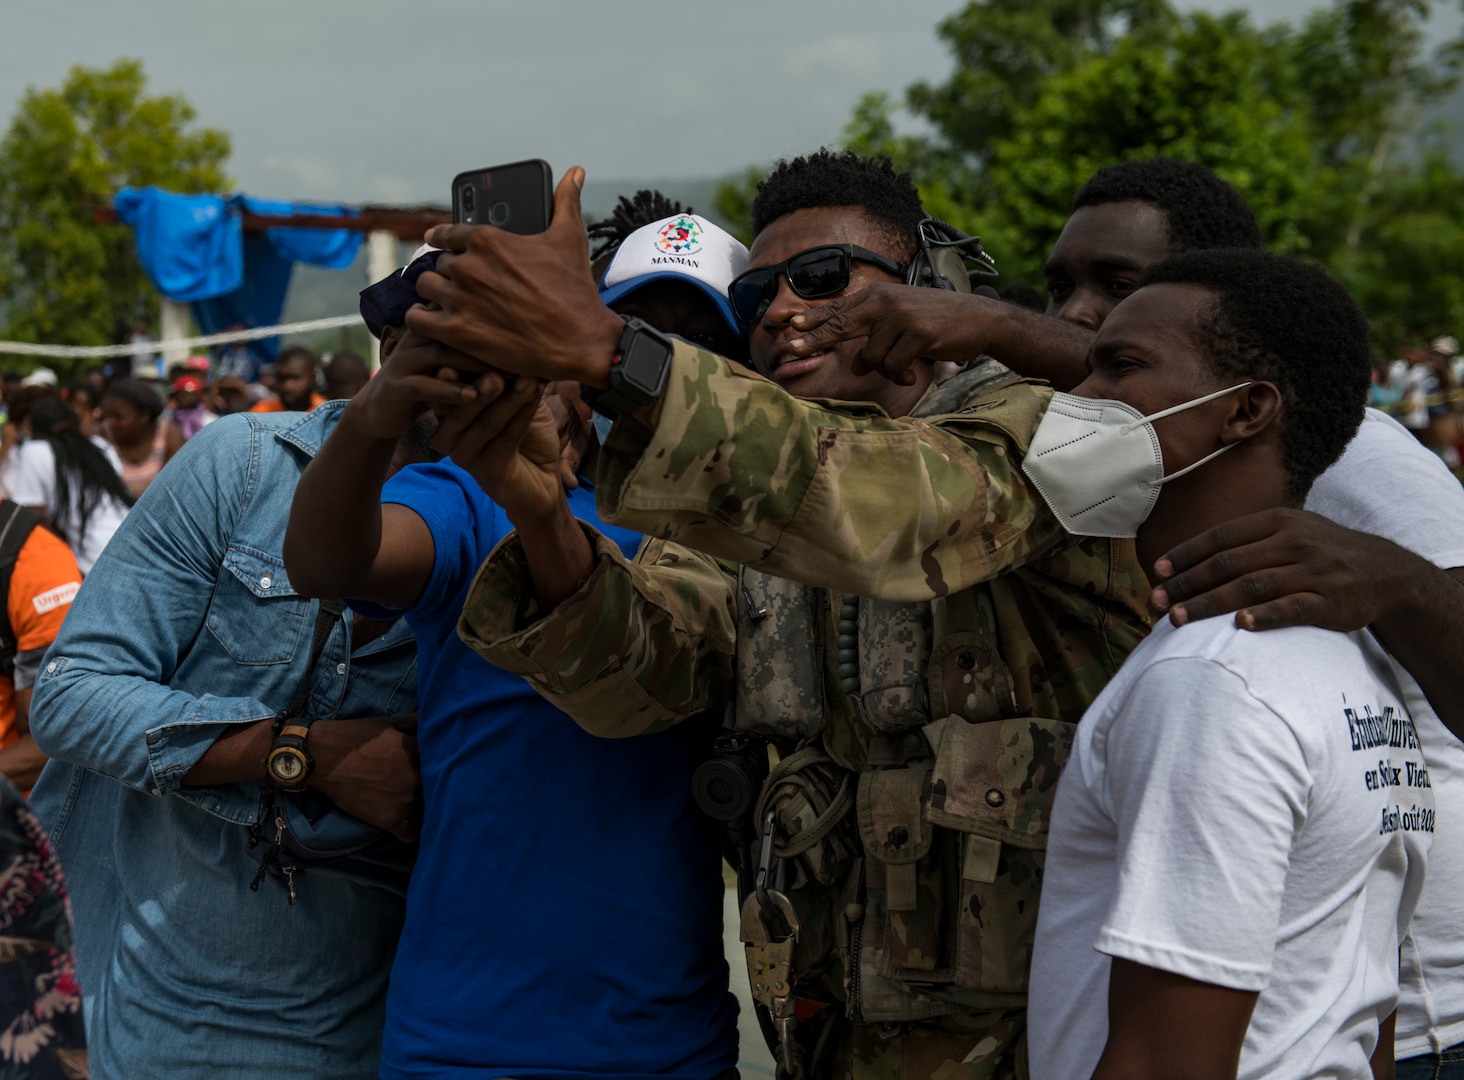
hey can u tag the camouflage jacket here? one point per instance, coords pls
(765, 515)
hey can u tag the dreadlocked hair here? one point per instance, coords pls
(630, 214)
(84, 476)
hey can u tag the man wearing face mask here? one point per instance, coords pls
(910, 625)
(1388, 569)
(1279, 568)
(1239, 838)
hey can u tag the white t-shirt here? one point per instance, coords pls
(1247, 810)
(1389, 484)
(1422, 381)
(28, 476)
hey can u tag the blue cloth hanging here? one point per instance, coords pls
(190, 246)
(194, 250)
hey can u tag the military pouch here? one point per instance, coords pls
(892, 693)
(905, 881)
(993, 785)
(967, 677)
(780, 673)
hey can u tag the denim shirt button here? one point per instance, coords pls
(51, 668)
(340, 669)
(264, 582)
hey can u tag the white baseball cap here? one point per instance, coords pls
(682, 247)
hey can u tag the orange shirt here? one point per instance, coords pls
(42, 585)
(274, 404)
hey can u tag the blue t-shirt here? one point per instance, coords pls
(564, 916)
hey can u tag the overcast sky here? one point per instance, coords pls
(364, 100)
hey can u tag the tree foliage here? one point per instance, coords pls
(1319, 124)
(63, 278)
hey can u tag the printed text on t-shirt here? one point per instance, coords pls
(1393, 728)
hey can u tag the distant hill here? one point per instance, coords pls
(319, 294)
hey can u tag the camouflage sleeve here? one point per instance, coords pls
(642, 645)
(837, 496)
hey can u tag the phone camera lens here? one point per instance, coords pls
(466, 193)
(498, 214)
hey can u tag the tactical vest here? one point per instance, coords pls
(911, 822)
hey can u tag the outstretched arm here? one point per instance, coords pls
(624, 647)
(509, 441)
(341, 540)
(902, 324)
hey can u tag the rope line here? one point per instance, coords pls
(68, 352)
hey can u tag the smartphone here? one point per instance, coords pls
(517, 198)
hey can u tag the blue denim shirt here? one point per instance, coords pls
(188, 625)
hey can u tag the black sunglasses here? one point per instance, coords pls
(812, 274)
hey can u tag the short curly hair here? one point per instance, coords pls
(1287, 322)
(843, 178)
(1202, 210)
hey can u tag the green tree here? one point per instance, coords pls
(733, 201)
(1004, 53)
(63, 278)
(1317, 124)
(1405, 269)
(1189, 93)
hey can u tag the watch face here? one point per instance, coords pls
(644, 366)
(287, 765)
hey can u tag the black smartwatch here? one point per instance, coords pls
(289, 762)
(638, 372)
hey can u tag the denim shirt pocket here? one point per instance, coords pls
(255, 614)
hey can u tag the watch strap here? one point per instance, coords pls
(629, 389)
(290, 734)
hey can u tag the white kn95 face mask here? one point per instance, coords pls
(1098, 462)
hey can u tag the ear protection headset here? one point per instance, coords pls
(949, 259)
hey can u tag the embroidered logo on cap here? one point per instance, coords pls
(680, 236)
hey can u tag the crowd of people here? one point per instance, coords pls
(1073, 692)
(1424, 390)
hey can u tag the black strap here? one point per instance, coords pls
(16, 525)
(325, 620)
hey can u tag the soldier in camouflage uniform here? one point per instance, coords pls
(873, 586)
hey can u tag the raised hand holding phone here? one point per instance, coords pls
(523, 304)
(516, 198)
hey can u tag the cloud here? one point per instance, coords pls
(855, 58)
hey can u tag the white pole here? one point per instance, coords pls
(381, 260)
(177, 320)
(381, 255)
